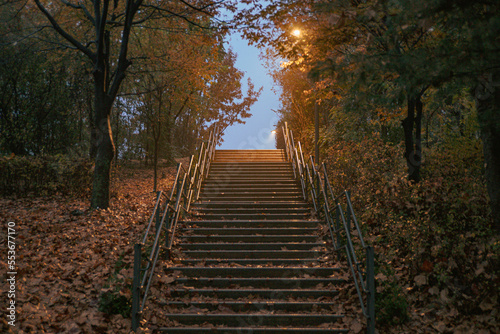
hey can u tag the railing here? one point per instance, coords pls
(342, 224)
(165, 215)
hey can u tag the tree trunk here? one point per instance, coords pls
(488, 113)
(413, 145)
(105, 148)
(417, 157)
(156, 137)
(169, 137)
(155, 167)
(106, 86)
(93, 135)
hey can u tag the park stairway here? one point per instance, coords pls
(252, 256)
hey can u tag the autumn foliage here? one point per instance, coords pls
(74, 264)
(437, 258)
(369, 66)
(44, 175)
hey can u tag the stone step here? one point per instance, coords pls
(253, 246)
(250, 262)
(236, 294)
(248, 272)
(251, 211)
(251, 223)
(254, 216)
(251, 330)
(246, 197)
(249, 238)
(239, 170)
(264, 179)
(257, 194)
(248, 231)
(215, 165)
(257, 157)
(250, 172)
(248, 157)
(264, 186)
(251, 306)
(254, 254)
(268, 283)
(246, 152)
(262, 319)
(250, 204)
(251, 257)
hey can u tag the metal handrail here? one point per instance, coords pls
(166, 213)
(315, 182)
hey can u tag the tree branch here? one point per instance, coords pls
(123, 62)
(164, 10)
(100, 25)
(64, 33)
(181, 109)
(202, 9)
(422, 34)
(82, 7)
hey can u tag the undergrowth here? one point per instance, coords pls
(45, 175)
(115, 301)
(436, 236)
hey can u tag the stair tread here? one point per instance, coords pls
(254, 221)
(253, 330)
(206, 271)
(253, 229)
(251, 233)
(271, 315)
(252, 246)
(253, 262)
(262, 238)
(249, 203)
(251, 302)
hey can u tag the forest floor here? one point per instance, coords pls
(68, 257)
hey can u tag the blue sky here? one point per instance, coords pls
(256, 132)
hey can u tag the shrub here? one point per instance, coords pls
(391, 305)
(44, 175)
(440, 227)
(114, 303)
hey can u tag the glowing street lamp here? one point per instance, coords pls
(297, 32)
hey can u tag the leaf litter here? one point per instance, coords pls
(67, 258)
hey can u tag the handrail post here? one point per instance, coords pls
(186, 188)
(337, 231)
(348, 213)
(338, 225)
(316, 176)
(370, 298)
(157, 214)
(167, 242)
(136, 288)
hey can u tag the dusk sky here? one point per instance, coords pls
(256, 132)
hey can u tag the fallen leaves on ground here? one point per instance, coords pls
(67, 256)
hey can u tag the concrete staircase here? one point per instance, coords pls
(253, 259)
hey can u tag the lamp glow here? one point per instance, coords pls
(297, 32)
